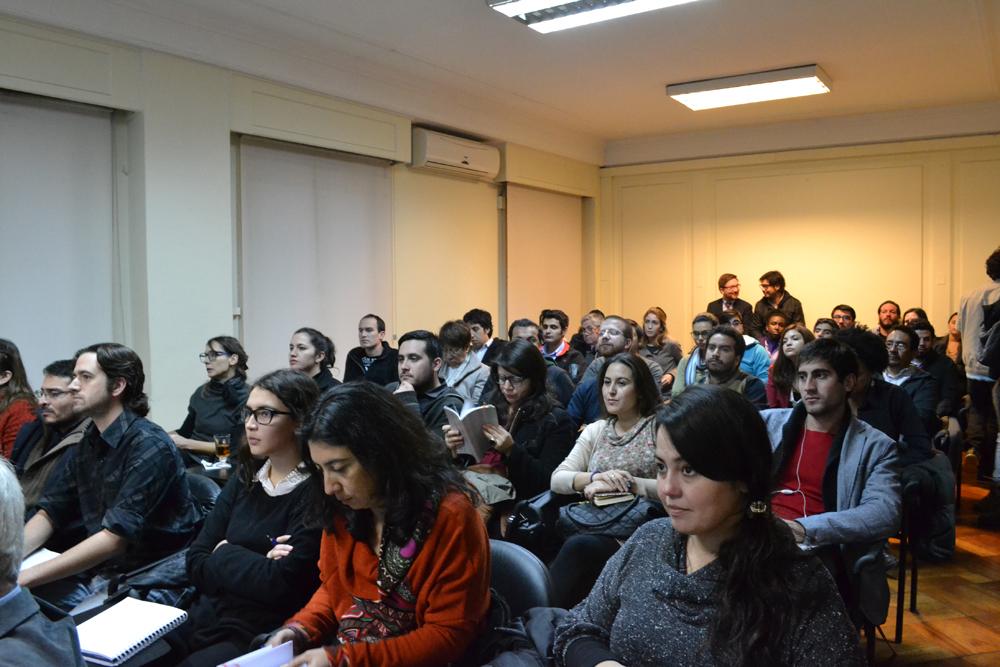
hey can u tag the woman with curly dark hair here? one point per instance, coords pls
(721, 581)
(404, 558)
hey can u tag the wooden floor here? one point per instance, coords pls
(959, 602)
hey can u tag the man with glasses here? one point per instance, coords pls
(772, 285)
(729, 287)
(692, 369)
(42, 446)
(844, 315)
(126, 482)
(901, 345)
(584, 341)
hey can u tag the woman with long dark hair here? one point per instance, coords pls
(721, 581)
(404, 559)
(614, 454)
(781, 378)
(254, 562)
(311, 352)
(215, 407)
(17, 402)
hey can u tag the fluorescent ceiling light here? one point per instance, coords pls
(547, 16)
(749, 88)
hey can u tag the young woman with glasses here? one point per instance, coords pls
(535, 434)
(214, 408)
(254, 562)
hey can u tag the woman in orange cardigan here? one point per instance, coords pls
(404, 559)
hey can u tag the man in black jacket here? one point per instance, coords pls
(420, 386)
(772, 285)
(373, 359)
(901, 345)
(729, 287)
(941, 368)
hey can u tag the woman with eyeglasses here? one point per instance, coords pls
(254, 562)
(404, 561)
(535, 434)
(611, 455)
(214, 407)
(17, 401)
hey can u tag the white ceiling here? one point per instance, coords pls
(459, 64)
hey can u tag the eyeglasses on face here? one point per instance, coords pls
(211, 356)
(514, 381)
(896, 345)
(698, 335)
(262, 416)
(51, 394)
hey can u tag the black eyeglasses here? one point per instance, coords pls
(211, 356)
(262, 416)
(514, 381)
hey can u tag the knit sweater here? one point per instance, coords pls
(241, 591)
(645, 610)
(429, 619)
(17, 414)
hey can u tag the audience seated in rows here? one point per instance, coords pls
(214, 407)
(721, 581)
(373, 359)
(17, 404)
(28, 636)
(126, 483)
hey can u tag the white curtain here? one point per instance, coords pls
(56, 228)
(316, 247)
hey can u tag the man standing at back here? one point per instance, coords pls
(772, 284)
(729, 287)
(373, 359)
(127, 483)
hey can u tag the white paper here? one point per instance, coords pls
(266, 656)
(37, 558)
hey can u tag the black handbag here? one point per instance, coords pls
(618, 521)
(532, 523)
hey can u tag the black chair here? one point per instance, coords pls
(911, 502)
(204, 491)
(519, 577)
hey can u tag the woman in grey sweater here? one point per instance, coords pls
(721, 581)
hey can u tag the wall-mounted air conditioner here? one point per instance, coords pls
(453, 155)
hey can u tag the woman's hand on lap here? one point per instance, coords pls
(316, 657)
(501, 438)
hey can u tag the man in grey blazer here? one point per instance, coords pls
(27, 636)
(836, 478)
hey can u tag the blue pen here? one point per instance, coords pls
(270, 539)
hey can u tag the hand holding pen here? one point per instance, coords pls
(279, 547)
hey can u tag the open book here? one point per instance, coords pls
(266, 656)
(470, 425)
(118, 633)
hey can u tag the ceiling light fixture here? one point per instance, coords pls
(730, 91)
(547, 16)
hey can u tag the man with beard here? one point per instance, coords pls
(42, 446)
(723, 353)
(419, 385)
(941, 368)
(692, 370)
(888, 317)
(901, 345)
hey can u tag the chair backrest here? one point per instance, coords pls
(519, 577)
(204, 491)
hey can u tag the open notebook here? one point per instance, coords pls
(118, 633)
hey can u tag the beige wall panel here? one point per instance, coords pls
(544, 254)
(977, 221)
(655, 237)
(852, 236)
(445, 235)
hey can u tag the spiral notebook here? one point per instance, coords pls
(118, 633)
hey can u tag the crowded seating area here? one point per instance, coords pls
(658, 500)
